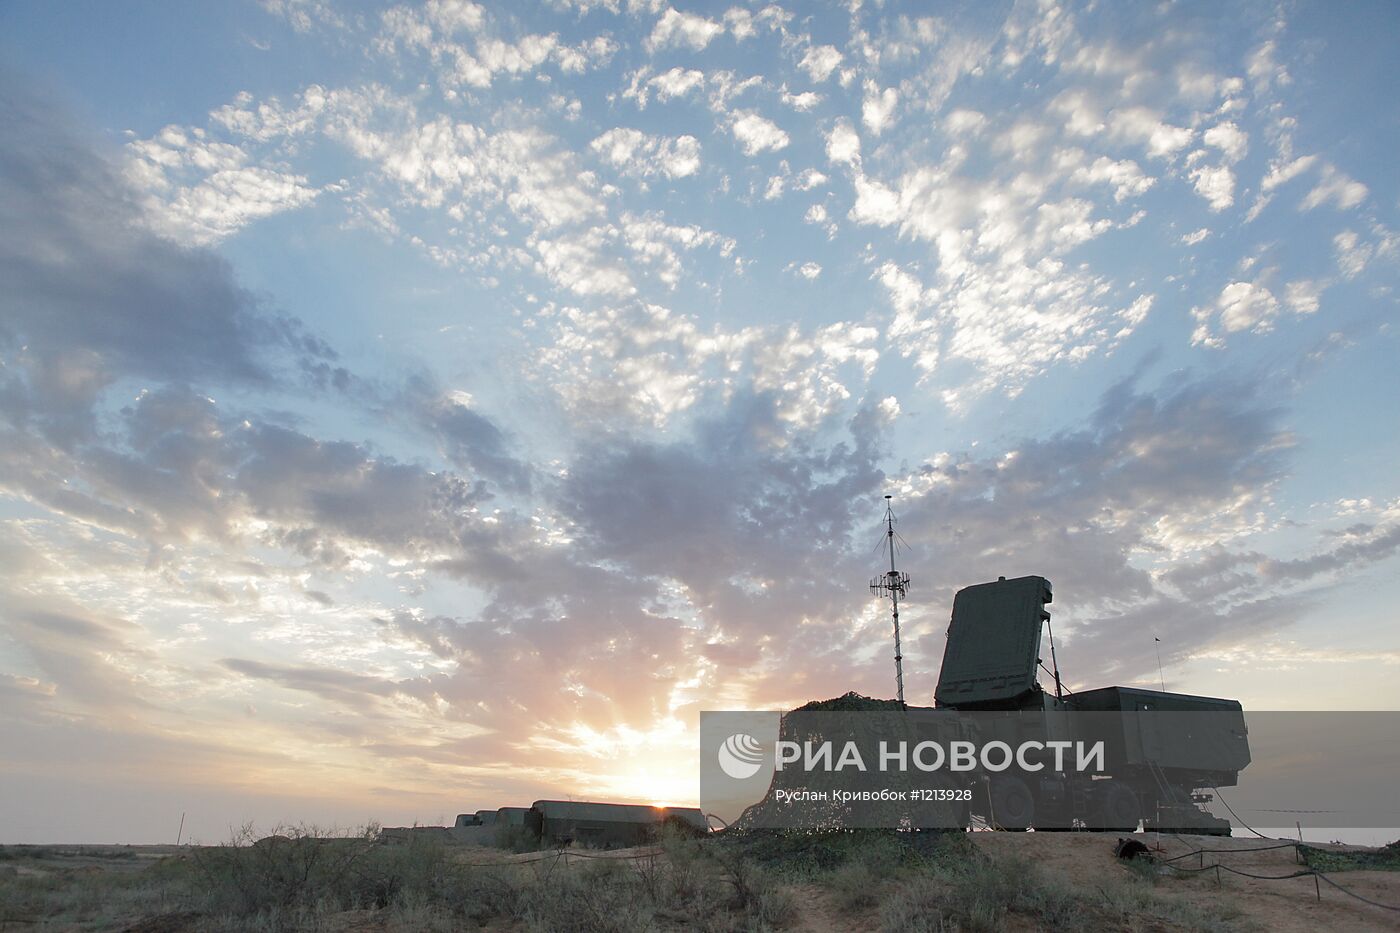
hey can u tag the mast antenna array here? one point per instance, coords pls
(893, 584)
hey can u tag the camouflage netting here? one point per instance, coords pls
(848, 703)
(770, 813)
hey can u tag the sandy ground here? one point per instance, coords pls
(1080, 858)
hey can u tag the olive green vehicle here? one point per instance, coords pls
(1162, 751)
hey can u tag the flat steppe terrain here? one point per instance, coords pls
(976, 881)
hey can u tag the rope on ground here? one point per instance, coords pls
(1313, 872)
(1354, 894)
(1302, 873)
(1284, 845)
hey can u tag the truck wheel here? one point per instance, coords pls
(1013, 807)
(1118, 810)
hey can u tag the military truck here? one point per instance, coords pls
(1162, 750)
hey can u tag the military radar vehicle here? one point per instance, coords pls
(1163, 750)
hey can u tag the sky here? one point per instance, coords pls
(407, 410)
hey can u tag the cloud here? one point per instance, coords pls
(1352, 254)
(261, 122)
(677, 82)
(756, 133)
(578, 261)
(963, 122)
(352, 690)
(751, 569)
(636, 153)
(436, 28)
(659, 243)
(1174, 470)
(1240, 306)
(1303, 296)
(1145, 126)
(594, 53)
(303, 15)
(1229, 139)
(1264, 71)
(842, 144)
(700, 511)
(1336, 188)
(682, 29)
(802, 102)
(467, 439)
(88, 661)
(1125, 176)
(523, 170)
(646, 363)
(877, 111)
(1244, 305)
(1007, 301)
(92, 295)
(225, 202)
(1215, 183)
(1281, 173)
(819, 61)
(173, 466)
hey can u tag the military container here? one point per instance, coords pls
(511, 816)
(607, 825)
(1194, 739)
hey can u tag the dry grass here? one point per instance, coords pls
(987, 894)
(301, 880)
(304, 878)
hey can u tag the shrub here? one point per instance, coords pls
(290, 871)
(291, 878)
(855, 886)
(978, 895)
(517, 838)
(602, 897)
(982, 894)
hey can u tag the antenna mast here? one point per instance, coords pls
(893, 584)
